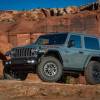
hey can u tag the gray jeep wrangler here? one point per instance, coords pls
(54, 54)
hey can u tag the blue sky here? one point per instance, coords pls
(29, 4)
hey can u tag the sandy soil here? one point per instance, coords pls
(30, 90)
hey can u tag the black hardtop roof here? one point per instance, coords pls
(77, 33)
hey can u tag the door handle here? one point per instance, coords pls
(81, 52)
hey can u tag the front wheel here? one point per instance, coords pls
(50, 69)
(92, 72)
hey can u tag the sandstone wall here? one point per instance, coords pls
(41, 21)
(85, 21)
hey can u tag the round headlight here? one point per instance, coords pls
(32, 50)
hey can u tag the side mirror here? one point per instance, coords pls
(71, 43)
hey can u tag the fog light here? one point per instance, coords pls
(6, 63)
(28, 61)
(31, 61)
(9, 62)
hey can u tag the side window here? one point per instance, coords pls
(91, 43)
(74, 41)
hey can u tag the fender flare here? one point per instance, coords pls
(54, 53)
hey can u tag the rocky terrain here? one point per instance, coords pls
(29, 90)
(40, 21)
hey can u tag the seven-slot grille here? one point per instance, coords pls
(23, 52)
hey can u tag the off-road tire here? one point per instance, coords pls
(92, 73)
(42, 72)
(7, 74)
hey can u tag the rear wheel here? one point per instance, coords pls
(10, 74)
(50, 69)
(92, 73)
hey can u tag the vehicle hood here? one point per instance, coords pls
(40, 47)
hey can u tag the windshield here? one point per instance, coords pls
(53, 39)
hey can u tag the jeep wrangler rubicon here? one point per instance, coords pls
(54, 54)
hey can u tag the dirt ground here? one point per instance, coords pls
(30, 90)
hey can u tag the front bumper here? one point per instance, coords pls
(21, 61)
(26, 65)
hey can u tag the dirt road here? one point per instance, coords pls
(29, 90)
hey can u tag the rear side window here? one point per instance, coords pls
(91, 43)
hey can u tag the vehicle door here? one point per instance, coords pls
(75, 53)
